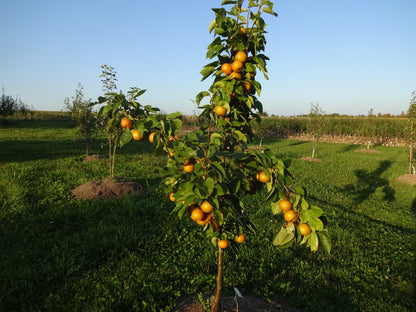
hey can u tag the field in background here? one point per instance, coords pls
(387, 130)
(60, 254)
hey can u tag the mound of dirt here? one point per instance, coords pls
(230, 303)
(93, 158)
(110, 188)
(367, 151)
(408, 179)
(311, 159)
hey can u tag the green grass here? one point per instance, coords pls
(60, 254)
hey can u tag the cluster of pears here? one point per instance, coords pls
(233, 70)
(291, 217)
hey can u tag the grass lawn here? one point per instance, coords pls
(60, 254)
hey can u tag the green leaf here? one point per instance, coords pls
(257, 86)
(316, 211)
(305, 216)
(304, 204)
(316, 223)
(125, 137)
(197, 192)
(221, 15)
(313, 241)
(325, 241)
(151, 109)
(216, 138)
(234, 11)
(269, 10)
(218, 216)
(200, 96)
(181, 208)
(217, 166)
(211, 152)
(141, 92)
(297, 199)
(214, 51)
(237, 186)
(209, 184)
(177, 124)
(212, 26)
(283, 237)
(276, 208)
(291, 227)
(220, 190)
(300, 191)
(241, 136)
(304, 239)
(174, 115)
(270, 186)
(207, 71)
(250, 102)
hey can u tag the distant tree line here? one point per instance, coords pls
(10, 106)
(386, 128)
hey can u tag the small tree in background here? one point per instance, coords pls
(118, 114)
(411, 135)
(9, 105)
(82, 114)
(260, 128)
(316, 125)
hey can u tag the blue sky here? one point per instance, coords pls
(348, 56)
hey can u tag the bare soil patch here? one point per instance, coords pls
(367, 151)
(348, 139)
(311, 159)
(93, 157)
(408, 179)
(109, 188)
(234, 304)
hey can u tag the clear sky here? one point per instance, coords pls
(348, 56)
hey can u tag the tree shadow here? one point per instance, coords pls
(67, 243)
(350, 147)
(413, 207)
(369, 181)
(28, 150)
(299, 143)
(266, 140)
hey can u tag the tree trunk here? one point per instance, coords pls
(88, 144)
(314, 145)
(109, 154)
(411, 158)
(216, 300)
(114, 160)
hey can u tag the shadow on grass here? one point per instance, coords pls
(299, 143)
(43, 252)
(369, 181)
(36, 124)
(350, 147)
(413, 207)
(264, 141)
(20, 151)
(371, 233)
